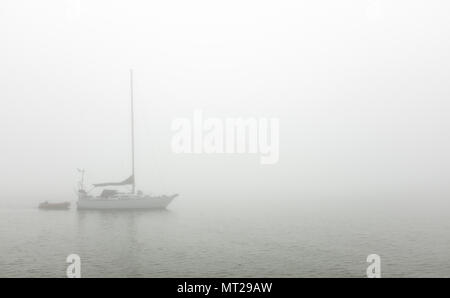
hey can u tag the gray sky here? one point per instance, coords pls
(360, 88)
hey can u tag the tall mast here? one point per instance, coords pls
(132, 131)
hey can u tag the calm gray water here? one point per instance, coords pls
(228, 240)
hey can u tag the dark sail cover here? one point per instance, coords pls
(128, 181)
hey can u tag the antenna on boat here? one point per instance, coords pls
(81, 183)
(132, 131)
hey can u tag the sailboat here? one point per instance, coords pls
(111, 199)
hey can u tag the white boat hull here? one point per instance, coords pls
(160, 202)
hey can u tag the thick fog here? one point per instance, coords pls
(360, 89)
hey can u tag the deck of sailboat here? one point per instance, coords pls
(126, 202)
